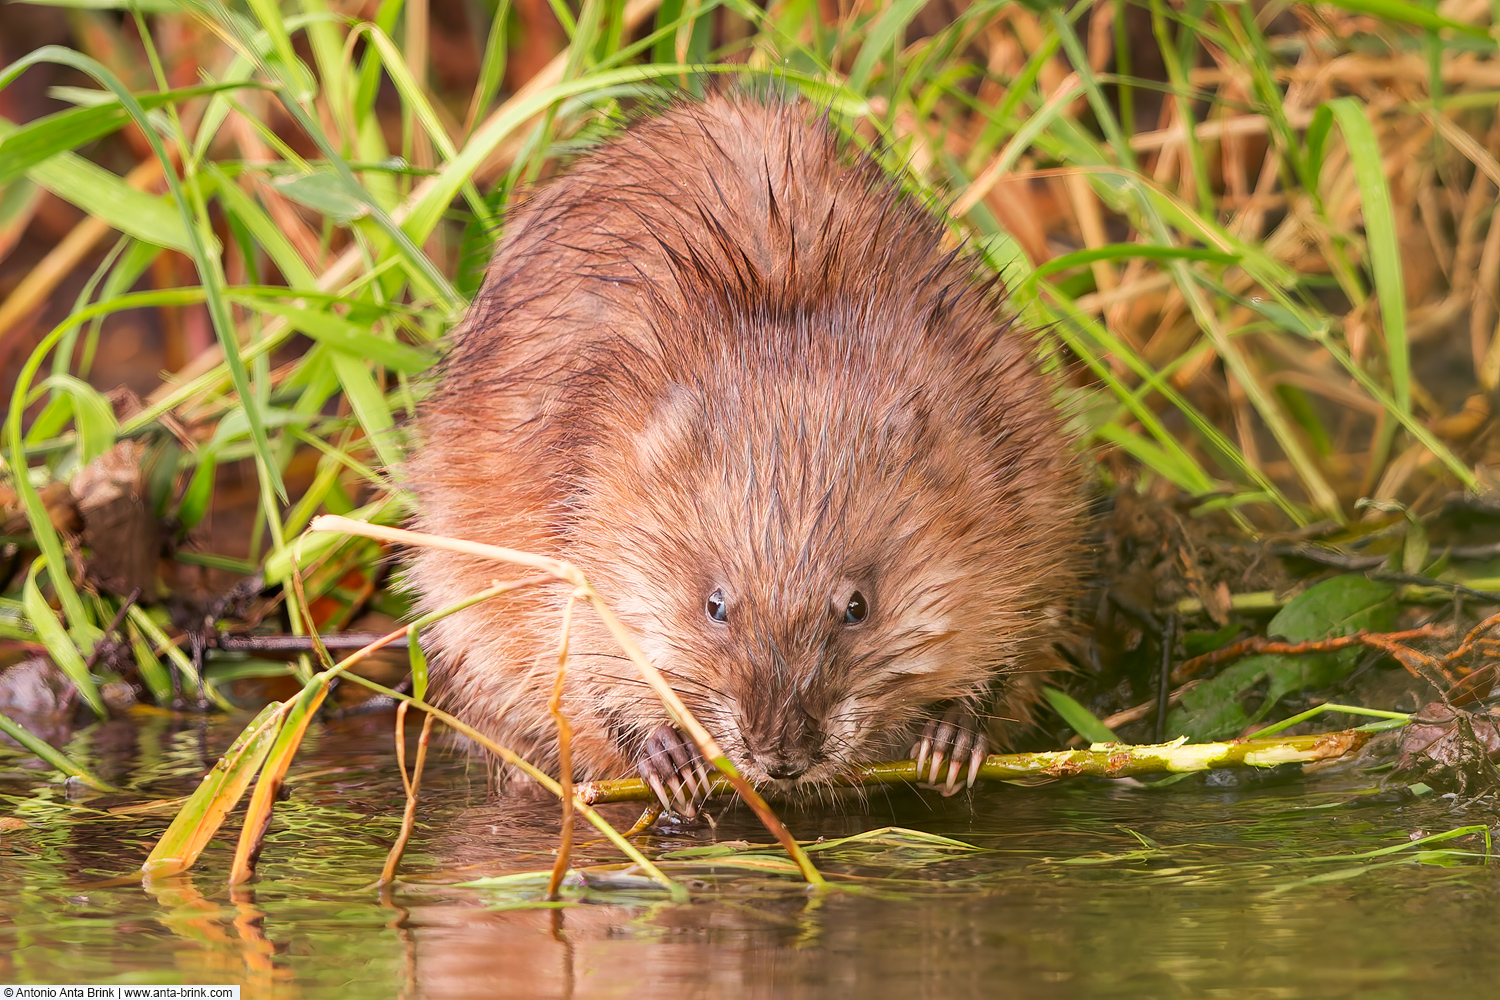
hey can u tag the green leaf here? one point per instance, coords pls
(1172, 465)
(1132, 251)
(369, 406)
(880, 40)
(93, 416)
(200, 491)
(1198, 643)
(418, 663)
(83, 630)
(268, 13)
(1381, 237)
(1409, 13)
(59, 645)
(1340, 606)
(1415, 550)
(156, 676)
(239, 205)
(26, 146)
(325, 192)
(199, 240)
(1084, 722)
(106, 195)
(1337, 607)
(51, 754)
(1212, 710)
(198, 820)
(144, 6)
(18, 203)
(344, 335)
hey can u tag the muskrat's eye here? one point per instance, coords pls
(717, 607)
(856, 610)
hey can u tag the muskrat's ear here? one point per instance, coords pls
(673, 424)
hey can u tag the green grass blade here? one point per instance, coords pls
(51, 755)
(1103, 113)
(369, 406)
(345, 335)
(268, 236)
(142, 620)
(1409, 13)
(83, 630)
(59, 645)
(155, 676)
(105, 195)
(1084, 722)
(1384, 249)
(203, 814)
(1129, 251)
(434, 198)
(30, 144)
(93, 416)
(880, 41)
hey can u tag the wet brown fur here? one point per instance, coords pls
(725, 351)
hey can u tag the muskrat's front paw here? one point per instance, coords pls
(675, 770)
(956, 735)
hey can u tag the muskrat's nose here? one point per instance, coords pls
(785, 766)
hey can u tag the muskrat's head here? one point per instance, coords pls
(814, 549)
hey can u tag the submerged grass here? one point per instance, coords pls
(1259, 241)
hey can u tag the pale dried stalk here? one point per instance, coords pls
(1090, 217)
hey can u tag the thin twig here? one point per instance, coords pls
(1164, 682)
(1262, 644)
(1465, 647)
(413, 786)
(297, 643)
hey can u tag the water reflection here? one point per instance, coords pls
(1081, 891)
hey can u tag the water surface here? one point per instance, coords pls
(1085, 889)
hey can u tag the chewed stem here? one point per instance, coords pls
(1102, 760)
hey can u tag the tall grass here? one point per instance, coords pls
(1243, 230)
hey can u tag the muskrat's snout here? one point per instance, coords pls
(789, 750)
(784, 768)
(787, 762)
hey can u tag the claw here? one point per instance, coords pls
(951, 785)
(674, 770)
(689, 783)
(685, 807)
(975, 759)
(948, 746)
(661, 793)
(703, 779)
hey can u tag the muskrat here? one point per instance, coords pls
(731, 370)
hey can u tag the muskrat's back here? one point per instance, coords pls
(727, 367)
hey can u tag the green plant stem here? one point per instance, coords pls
(1102, 760)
